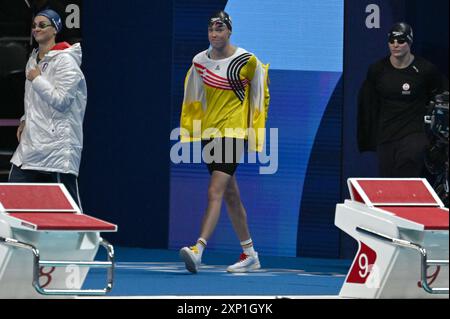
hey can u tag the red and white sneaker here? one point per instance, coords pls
(246, 263)
(191, 258)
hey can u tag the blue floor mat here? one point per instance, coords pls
(150, 272)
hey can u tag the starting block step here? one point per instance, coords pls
(62, 221)
(432, 218)
(47, 245)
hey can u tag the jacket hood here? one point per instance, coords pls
(64, 48)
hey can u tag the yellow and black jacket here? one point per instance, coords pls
(229, 96)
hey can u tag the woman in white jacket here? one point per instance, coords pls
(50, 133)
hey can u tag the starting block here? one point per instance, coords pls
(47, 245)
(401, 227)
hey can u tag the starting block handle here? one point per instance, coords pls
(423, 254)
(37, 263)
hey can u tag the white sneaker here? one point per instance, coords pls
(246, 263)
(191, 258)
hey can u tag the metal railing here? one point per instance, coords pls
(37, 263)
(423, 253)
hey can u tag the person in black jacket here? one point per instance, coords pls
(392, 104)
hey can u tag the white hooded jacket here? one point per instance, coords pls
(55, 103)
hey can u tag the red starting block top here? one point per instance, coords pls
(399, 192)
(34, 197)
(62, 221)
(432, 218)
(46, 207)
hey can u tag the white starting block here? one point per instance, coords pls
(401, 227)
(46, 244)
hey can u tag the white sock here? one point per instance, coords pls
(201, 245)
(247, 246)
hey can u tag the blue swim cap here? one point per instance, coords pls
(54, 18)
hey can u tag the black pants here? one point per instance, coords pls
(230, 153)
(18, 175)
(404, 157)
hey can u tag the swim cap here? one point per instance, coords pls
(54, 18)
(220, 17)
(401, 30)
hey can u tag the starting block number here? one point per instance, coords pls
(363, 265)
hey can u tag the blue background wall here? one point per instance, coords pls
(135, 58)
(127, 60)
